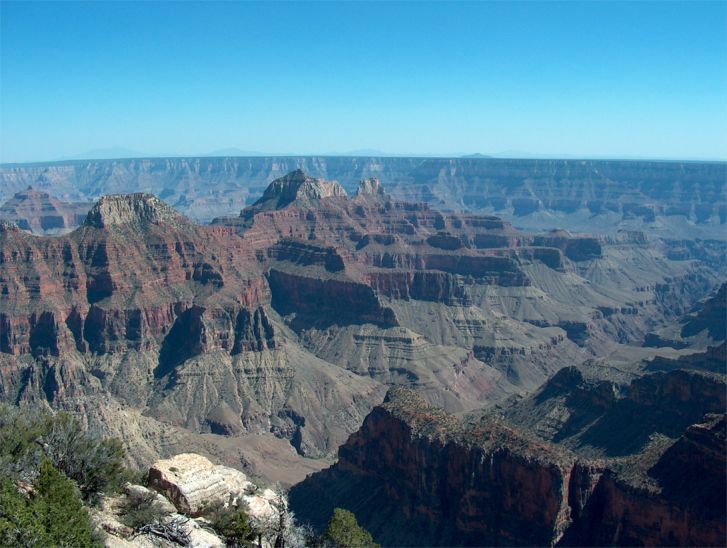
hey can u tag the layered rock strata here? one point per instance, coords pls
(40, 213)
(415, 475)
(231, 329)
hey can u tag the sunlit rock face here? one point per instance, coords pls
(290, 319)
(40, 213)
(677, 200)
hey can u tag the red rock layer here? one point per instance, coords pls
(439, 483)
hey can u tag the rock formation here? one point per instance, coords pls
(231, 329)
(40, 213)
(192, 483)
(195, 487)
(124, 209)
(370, 187)
(711, 316)
(415, 475)
(678, 200)
(297, 186)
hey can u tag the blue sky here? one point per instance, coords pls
(589, 79)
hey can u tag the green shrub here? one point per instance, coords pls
(232, 524)
(53, 515)
(95, 465)
(344, 531)
(28, 436)
(20, 455)
(139, 511)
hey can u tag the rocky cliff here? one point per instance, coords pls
(673, 199)
(41, 213)
(711, 316)
(415, 475)
(231, 329)
(583, 413)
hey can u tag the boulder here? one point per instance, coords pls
(192, 482)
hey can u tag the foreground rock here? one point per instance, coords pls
(192, 483)
(108, 520)
(182, 489)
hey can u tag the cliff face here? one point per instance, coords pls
(232, 328)
(687, 198)
(415, 475)
(582, 414)
(40, 213)
(432, 483)
(120, 282)
(679, 500)
(711, 316)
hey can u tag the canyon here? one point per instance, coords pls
(510, 347)
(41, 213)
(674, 200)
(415, 475)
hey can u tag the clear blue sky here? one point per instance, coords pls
(588, 79)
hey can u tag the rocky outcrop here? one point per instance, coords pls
(195, 487)
(415, 475)
(192, 483)
(124, 209)
(581, 248)
(582, 413)
(296, 185)
(714, 359)
(712, 316)
(431, 286)
(692, 470)
(370, 187)
(40, 213)
(307, 254)
(327, 300)
(679, 500)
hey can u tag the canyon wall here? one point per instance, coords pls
(674, 199)
(415, 475)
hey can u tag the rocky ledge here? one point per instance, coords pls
(123, 209)
(296, 185)
(414, 475)
(181, 489)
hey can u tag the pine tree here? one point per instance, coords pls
(53, 515)
(345, 532)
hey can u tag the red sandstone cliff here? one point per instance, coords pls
(415, 475)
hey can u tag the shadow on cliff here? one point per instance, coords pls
(185, 340)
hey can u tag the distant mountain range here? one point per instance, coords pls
(118, 152)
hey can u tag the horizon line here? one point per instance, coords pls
(477, 157)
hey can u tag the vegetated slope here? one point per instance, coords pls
(40, 213)
(679, 200)
(292, 318)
